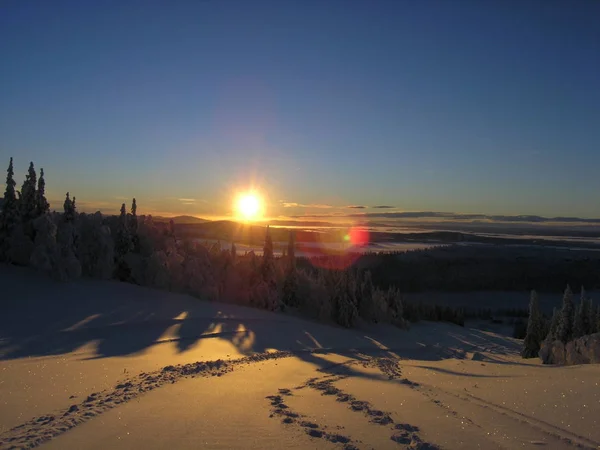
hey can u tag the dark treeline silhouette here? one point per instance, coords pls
(483, 268)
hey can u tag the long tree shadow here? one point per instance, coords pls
(117, 319)
(41, 317)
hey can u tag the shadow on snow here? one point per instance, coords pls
(40, 317)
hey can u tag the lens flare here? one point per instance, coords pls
(341, 254)
(358, 236)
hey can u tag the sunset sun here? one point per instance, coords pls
(248, 206)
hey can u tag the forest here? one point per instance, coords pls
(341, 288)
(136, 249)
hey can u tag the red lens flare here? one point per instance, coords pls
(341, 254)
(358, 236)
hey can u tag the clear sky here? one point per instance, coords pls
(464, 106)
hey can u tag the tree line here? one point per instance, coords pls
(566, 324)
(136, 249)
(463, 268)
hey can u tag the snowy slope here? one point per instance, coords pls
(108, 365)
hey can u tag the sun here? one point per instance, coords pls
(248, 206)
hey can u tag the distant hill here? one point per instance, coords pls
(303, 223)
(226, 230)
(180, 220)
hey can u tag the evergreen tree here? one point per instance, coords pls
(582, 325)
(28, 203)
(343, 294)
(586, 304)
(592, 318)
(268, 261)
(135, 238)
(578, 322)
(123, 242)
(134, 224)
(533, 338)
(69, 209)
(366, 305)
(567, 317)
(290, 285)
(291, 251)
(43, 207)
(9, 217)
(233, 252)
(171, 231)
(554, 323)
(123, 246)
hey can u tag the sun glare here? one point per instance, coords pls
(248, 206)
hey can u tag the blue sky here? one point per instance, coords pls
(465, 106)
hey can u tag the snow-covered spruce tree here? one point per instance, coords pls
(291, 250)
(592, 318)
(19, 241)
(66, 206)
(315, 302)
(589, 323)
(68, 265)
(20, 245)
(133, 215)
(585, 305)
(45, 256)
(9, 217)
(553, 328)
(233, 253)
(96, 249)
(533, 338)
(123, 246)
(43, 207)
(123, 241)
(546, 322)
(133, 226)
(342, 291)
(70, 213)
(366, 304)
(172, 230)
(578, 323)
(395, 308)
(29, 198)
(290, 284)
(265, 293)
(215, 249)
(268, 260)
(567, 317)
(582, 324)
(379, 311)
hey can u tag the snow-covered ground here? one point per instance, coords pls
(101, 365)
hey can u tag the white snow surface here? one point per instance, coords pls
(96, 364)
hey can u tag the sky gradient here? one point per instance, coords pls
(459, 106)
